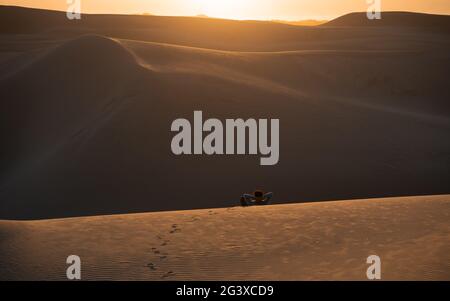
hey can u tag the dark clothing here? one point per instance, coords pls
(250, 199)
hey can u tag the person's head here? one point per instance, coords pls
(258, 193)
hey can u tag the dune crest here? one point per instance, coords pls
(436, 23)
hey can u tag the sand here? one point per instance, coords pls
(309, 241)
(85, 130)
(87, 108)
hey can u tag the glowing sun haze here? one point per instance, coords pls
(240, 9)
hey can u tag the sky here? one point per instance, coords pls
(240, 9)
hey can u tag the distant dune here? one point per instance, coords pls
(210, 32)
(87, 108)
(311, 241)
(396, 19)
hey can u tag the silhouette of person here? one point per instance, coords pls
(257, 198)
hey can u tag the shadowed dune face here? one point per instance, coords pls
(315, 241)
(74, 90)
(86, 118)
(375, 76)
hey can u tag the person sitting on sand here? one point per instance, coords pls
(257, 198)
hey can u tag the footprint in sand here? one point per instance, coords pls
(174, 229)
(151, 266)
(164, 241)
(168, 274)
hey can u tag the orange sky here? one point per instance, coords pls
(240, 9)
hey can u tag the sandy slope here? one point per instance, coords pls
(329, 240)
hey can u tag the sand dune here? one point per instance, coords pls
(307, 72)
(228, 34)
(81, 80)
(326, 241)
(436, 23)
(86, 113)
(86, 109)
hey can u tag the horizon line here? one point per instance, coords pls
(149, 14)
